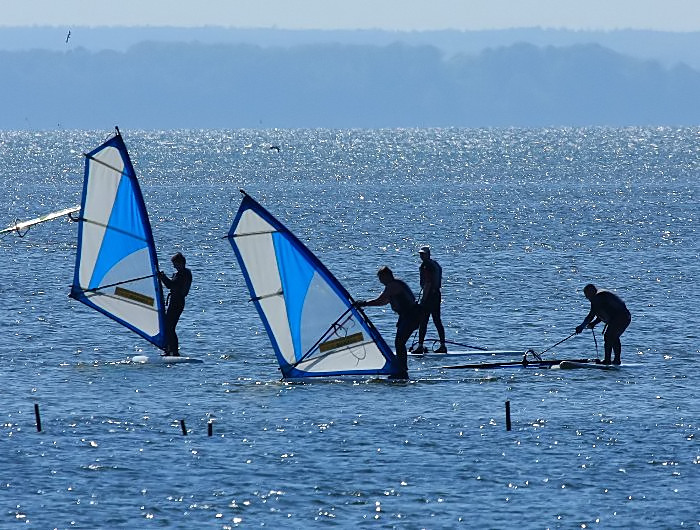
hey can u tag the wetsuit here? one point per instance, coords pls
(431, 273)
(609, 308)
(403, 302)
(179, 286)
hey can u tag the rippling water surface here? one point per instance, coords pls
(519, 219)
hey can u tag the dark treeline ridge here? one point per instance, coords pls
(192, 85)
(666, 47)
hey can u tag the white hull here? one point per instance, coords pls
(164, 359)
(464, 353)
(569, 365)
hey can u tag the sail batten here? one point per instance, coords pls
(116, 229)
(116, 264)
(309, 316)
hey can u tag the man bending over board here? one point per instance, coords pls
(179, 286)
(609, 308)
(402, 301)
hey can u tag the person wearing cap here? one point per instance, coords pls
(179, 286)
(430, 283)
(403, 302)
(609, 308)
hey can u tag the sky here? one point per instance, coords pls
(403, 15)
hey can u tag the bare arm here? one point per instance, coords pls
(164, 278)
(382, 299)
(588, 320)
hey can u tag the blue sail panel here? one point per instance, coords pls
(116, 264)
(307, 313)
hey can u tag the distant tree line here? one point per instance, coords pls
(191, 85)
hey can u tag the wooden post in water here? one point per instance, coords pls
(182, 426)
(38, 417)
(507, 415)
(210, 428)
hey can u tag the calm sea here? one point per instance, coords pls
(520, 221)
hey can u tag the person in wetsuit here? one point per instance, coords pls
(430, 282)
(403, 302)
(609, 308)
(179, 286)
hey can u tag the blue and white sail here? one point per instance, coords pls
(309, 317)
(116, 264)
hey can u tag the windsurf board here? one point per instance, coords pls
(164, 359)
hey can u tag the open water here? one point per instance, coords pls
(520, 220)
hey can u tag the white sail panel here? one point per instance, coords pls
(257, 248)
(116, 264)
(308, 315)
(105, 173)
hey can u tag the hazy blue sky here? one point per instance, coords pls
(670, 15)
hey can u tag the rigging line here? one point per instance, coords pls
(455, 343)
(15, 228)
(597, 355)
(318, 358)
(465, 345)
(374, 332)
(95, 289)
(557, 344)
(323, 335)
(435, 341)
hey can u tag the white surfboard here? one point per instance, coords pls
(464, 353)
(26, 225)
(569, 365)
(164, 359)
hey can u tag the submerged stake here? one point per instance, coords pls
(210, 428)
(38, 417)
(507, 415)
(182, 426)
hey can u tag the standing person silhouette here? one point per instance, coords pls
(179, 286)
(431, 283)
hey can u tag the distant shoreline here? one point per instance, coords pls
(370, 80)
